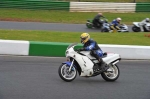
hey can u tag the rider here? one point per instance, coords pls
(91, 45)
(115, 24)
(96, 20)
(143, 23)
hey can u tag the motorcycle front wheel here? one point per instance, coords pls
(136, 29)
(64, 73)
(104, 30)
(89, 25)
(112, 73)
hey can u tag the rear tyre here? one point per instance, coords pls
(64, 73)
(111, 74)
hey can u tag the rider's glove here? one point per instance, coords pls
(117, 27)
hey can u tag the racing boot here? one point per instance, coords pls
(103, 65)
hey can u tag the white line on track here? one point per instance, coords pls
(30, 56)
(57, 57)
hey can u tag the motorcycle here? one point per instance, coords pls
(106, 28)
(90, 24)
(87, 65)
(136, 27)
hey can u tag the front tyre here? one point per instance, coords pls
(136, 29)
(89, 25)
(112, 73)
(64, 73)
(104, 30)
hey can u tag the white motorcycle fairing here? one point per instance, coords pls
(123, 28)
(136, 24)
(136, 27)
(108, 59)
(86, 61)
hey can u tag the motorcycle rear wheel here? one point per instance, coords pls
(64, 73)
(111, 74)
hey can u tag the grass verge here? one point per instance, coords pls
(69, 37)
(65, 16)
(109, 0)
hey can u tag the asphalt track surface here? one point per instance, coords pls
(37, 78)
(48, 26)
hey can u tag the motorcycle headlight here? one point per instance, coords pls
(67, 52)
(68, 58)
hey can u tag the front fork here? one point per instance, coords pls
(71, 65)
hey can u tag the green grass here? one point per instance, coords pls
(69, 37)
(108, 0)
(70, 17)
(65, 16)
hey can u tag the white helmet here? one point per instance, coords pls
(118, 19)
(147, 20)
(100, 13)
